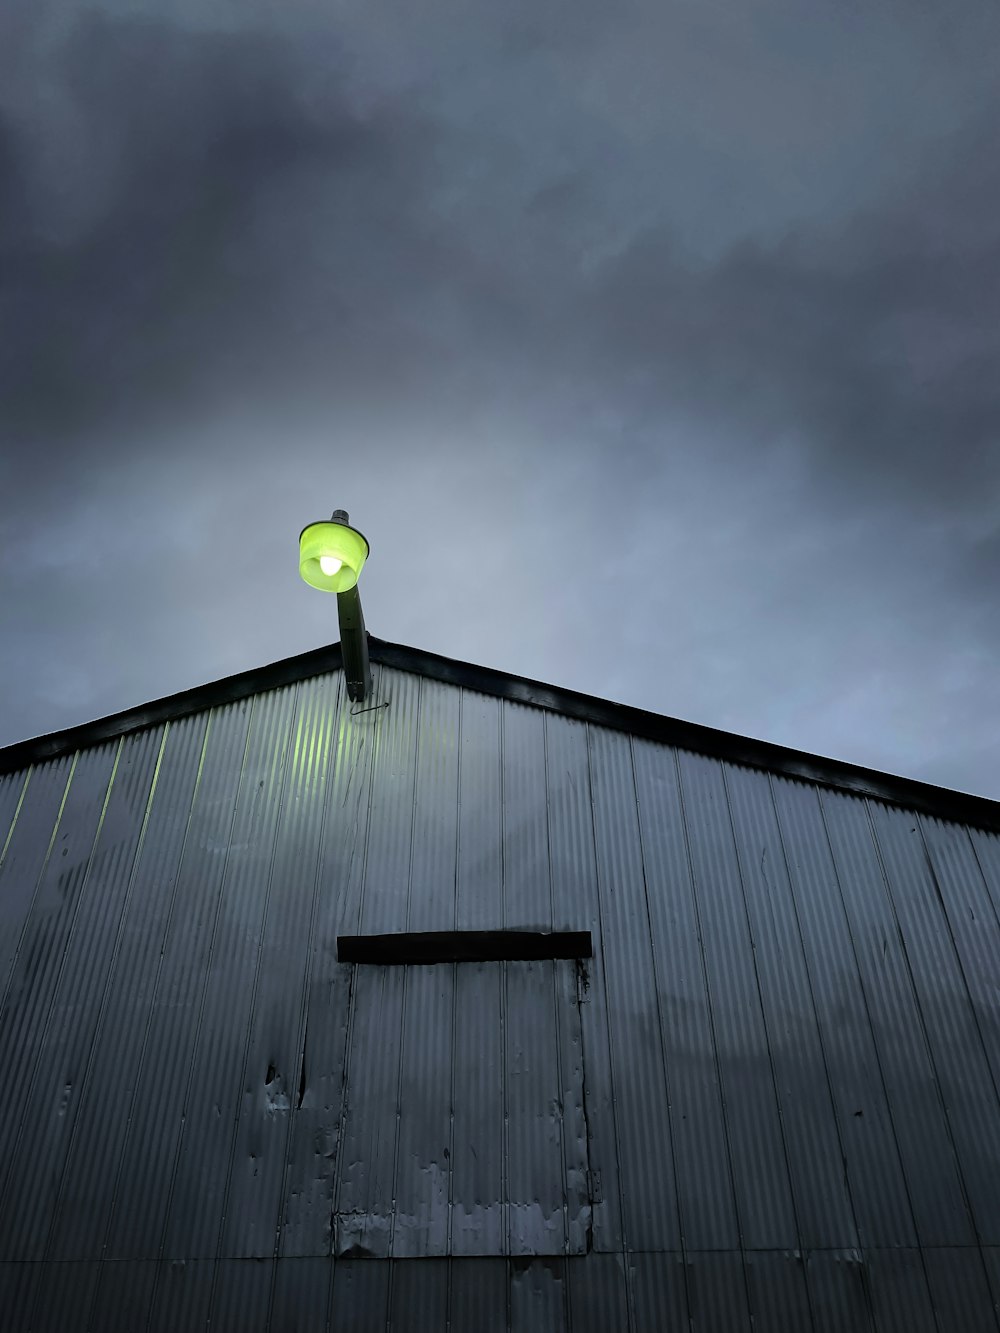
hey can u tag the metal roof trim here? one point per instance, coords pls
(943, 802)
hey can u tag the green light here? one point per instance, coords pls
(331, 555)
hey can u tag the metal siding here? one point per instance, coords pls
(778, 1296)
(28, 842)
(360, 1302)
(823, 1206)
(419, 1295)
(871, 1154)
(596, 1293)
(423, 1164)
(782, 974)
(914, 1096)
(202, 1167)
(969, 1097)
(647, 1172)
(838, 1291)
(143, 1173)
(478, 1162)
(275, 1065)
(390, 820)
(538, 1296)
(34, 1006)
(301, 1297)
(64, 1061)
(315, 1129)
(972, 921)
(18, 1291)
(65, 1297)
(241, 1296)
(576, 905)
(124, 1295)
(479, 887)
(87, 1187)
(434, 858)
(717, 1293)
(478, 1295)
(704, 1169)
(367, 1154)
(537, 1208)
(960, 1292)
(760, 1162)
(900, 1299)
(659, 1293)
(183, 1295)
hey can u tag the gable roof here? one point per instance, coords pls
(924, 796)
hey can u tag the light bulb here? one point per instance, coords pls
(330, 565)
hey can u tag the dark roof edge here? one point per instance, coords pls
(227, 690)
(940, 801)
(925, 796)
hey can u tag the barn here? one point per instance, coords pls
(481, 1004)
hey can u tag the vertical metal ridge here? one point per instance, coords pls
(480, 853)
(929, 1163)
(821, 1198)
(434, 855)
(25, 859)
(203, 1166)
(87, 1188)
(33, 990)
(385, 888)
(146, 1165)
(871, 1153)
(273, 1070)
(112, 906)
(968, 1094)
(423, 1146)
(705, 1183)
(640, 1078)
(576, 902)
(766, 1206)
(13, 790)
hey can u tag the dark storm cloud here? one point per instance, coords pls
(459, 275)
(155, 287)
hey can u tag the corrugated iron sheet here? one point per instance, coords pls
(769, 1100)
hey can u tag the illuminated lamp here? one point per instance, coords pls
(331, 556)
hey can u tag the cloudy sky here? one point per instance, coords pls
(653, 346)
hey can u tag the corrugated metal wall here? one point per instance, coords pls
(769, 1101)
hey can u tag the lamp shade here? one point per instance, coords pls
(331, 555)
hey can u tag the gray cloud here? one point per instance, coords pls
(644, 344)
